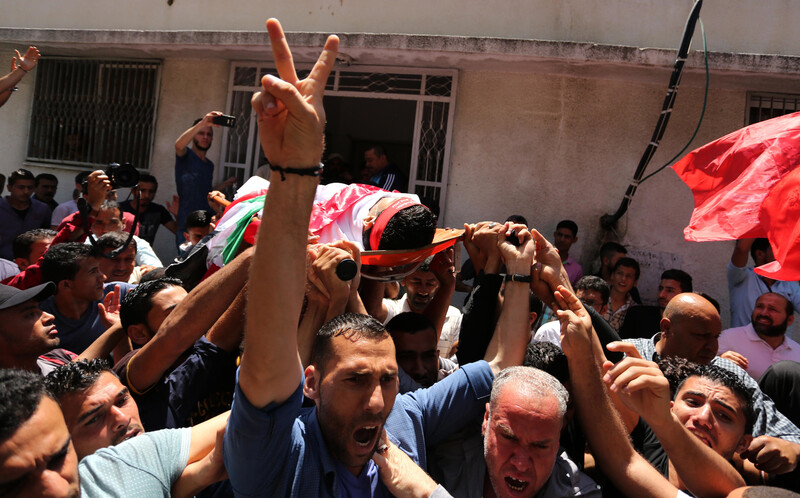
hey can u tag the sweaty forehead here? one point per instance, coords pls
(711, 390)
(351, 350)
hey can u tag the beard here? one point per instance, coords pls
(338, 432)
(770, 330)
(200, 147)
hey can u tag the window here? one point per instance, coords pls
(93, 112)
(407, 110)
(763, 106)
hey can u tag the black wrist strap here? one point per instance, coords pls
(313, 171)
(517, 277)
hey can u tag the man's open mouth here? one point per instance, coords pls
(515, 484)
(365, 436)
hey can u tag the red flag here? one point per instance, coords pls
(731, 176)
(747, 184)
(780, 216)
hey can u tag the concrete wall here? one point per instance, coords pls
(767, 26)
(551, 148)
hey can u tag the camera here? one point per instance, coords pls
(120, 175)
(224, 120)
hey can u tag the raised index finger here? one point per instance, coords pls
(280, 51)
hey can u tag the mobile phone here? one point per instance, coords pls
(225, 120)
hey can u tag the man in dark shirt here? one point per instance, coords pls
(18, 212)
(151, 215)
(44, 189)
(383, 173)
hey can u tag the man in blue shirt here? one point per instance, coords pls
(194, 172)
(272, 445)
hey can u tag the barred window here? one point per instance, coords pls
(763, 106)
(93, 112)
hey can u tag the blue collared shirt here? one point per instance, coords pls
(279, 450)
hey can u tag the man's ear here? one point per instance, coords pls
(485, 424)
(665, 325)
(744, 443)
(789, 320)
(368, 222)
(64, 285)
(533, 316)
(22, 263)
(186, 236)
(139, 334)
(311, 384)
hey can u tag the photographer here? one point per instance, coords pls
(194, 172)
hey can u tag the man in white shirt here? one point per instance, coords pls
(428, 292)
(763, 341)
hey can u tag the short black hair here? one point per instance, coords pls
(517, 218)
(760, 244)
(569, 225)
(679, 276)
(676, 369)
(44, 176)
(113, 240)
(350, 325)
(80, 177)
(548, 357)
(75, 376)
(20, 394)
(728, 379)
(409, 228)
(145, 178)
(590, 282)
(535, 304)
(62, 261)
(376, 149)
(198, 219)
(409, 323)
(20, 174)
(609, 249)
(138, 301)
(23, 242)
(628, 263)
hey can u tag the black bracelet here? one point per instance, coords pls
(313, 171)
(517, 277)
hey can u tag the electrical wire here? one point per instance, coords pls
(702, 112)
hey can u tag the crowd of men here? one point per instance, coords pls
(277, 376)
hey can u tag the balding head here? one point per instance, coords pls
(690, 329)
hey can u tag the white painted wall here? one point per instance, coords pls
(767, 26)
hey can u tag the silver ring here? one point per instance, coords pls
(492, 224)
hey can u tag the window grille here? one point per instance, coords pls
(93, 112)
(432, 90)
(763, 106)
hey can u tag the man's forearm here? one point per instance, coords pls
(271, 368)
(186, 138)
(512, 333)
(704, 471)
(606, 435)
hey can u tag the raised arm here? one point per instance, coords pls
(188, 322)
(22, 66)
(186, 137)
(607, 437)
(291, 122)
(513, 333)
(741, 252)
(642, 387)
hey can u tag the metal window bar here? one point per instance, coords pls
(433, 90)
(763, 106)
(93, 112)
